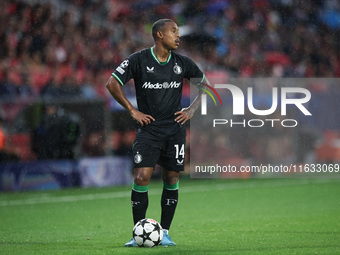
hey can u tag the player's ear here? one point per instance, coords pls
(160, 34)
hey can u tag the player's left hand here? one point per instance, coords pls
(183, 115)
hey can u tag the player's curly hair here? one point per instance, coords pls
(159, 26)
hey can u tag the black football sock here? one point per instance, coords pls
(168, 204)
(139, 202)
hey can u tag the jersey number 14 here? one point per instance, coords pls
(180, 151)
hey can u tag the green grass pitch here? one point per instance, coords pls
(256, 216)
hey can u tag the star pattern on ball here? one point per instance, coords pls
(146, 236)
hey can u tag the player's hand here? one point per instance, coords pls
(142, 118)
(183, 115)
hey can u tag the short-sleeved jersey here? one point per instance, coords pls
(158, 89)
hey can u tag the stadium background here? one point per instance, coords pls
(57, 56)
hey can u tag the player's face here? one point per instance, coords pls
(171, 36)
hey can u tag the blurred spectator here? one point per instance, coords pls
(94, 144)
(51, 89)
(7, 153)
(7, 88)
(23, 89)
(69, 87)
(57, 135)
(88, 90)
(122, 142)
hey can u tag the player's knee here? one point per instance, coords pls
(171, 179)
(142, 176)
(141, 180)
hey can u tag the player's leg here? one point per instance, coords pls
(172, 162)
(169, 197)
(139, 193)
(168, 203)
(139, 196)
(145, 158)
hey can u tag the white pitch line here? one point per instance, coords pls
(185, 189)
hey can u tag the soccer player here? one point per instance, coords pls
(158, 74)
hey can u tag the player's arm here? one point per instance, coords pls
(118, 94)
(185, 114)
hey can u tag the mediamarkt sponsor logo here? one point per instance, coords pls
(164, 85)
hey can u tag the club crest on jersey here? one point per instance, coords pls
(177, 69)
(124, 64)
(138, 158)
(150, 69)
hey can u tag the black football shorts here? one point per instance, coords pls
(169, 154)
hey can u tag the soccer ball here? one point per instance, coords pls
(147, 233)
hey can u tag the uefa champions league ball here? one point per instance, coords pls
(147, 233)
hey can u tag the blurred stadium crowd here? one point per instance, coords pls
(68, 49)
(56, 54)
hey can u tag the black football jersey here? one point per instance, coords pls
(158, 89)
